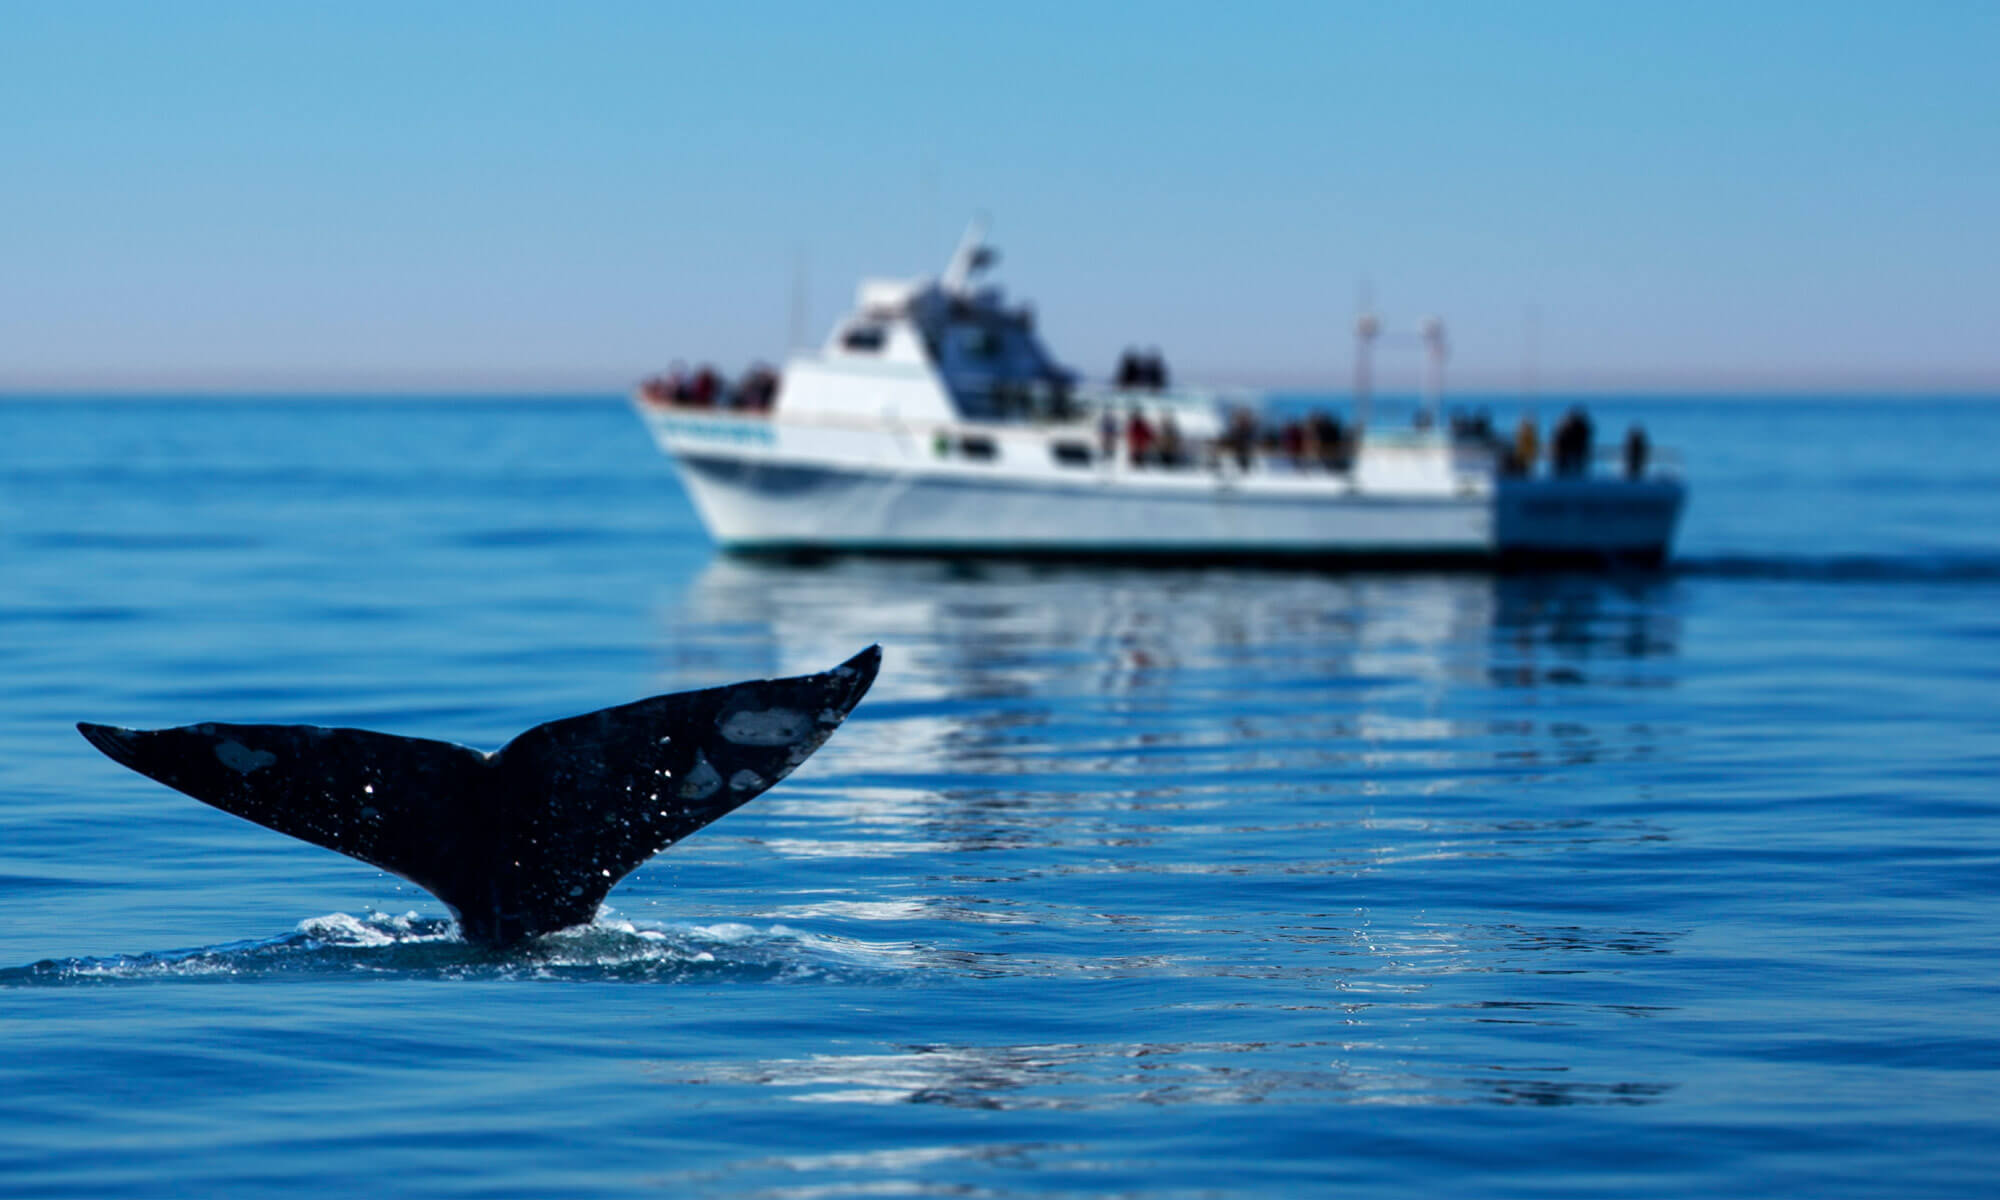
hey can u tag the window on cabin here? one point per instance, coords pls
(1071, 454)
(864, 339)
(977, 405)
(980, 344)
(978, 449)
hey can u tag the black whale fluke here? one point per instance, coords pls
(528, 839)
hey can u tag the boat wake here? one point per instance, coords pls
(409, 946)
(1855, 568)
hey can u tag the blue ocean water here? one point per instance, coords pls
(1157, 884)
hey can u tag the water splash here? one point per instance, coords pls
(410, 946)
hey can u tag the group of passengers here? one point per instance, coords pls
(1570, 447)
(1474, 426)
(1147, 444)
(705, 387)
(1141, 371)
(1319, 441)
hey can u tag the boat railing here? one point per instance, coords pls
(1604, 463)
(1097, 397)
(1076, 438)
(1658, 463)
(754, 394)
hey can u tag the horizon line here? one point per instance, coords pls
(556, 382)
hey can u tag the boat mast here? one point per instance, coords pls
(1366, 328)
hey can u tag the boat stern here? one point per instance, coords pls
(1587, 520)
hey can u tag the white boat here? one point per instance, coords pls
(933, 421)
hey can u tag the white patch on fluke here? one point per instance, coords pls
(766, 727)
(241, 758)
(745, 780)
(802, 751)
(702, 780)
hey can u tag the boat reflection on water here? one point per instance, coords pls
(1329, 804)
(993, 629)
(1073, 1077)
(1018, 703)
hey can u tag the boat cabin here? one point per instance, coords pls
(934, 350)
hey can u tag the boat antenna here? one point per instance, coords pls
(800, 265)
(1367, 327)
(972, 255)
(1434, 356)
(1531, 337)
(927, 173)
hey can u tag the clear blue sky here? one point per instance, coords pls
(440, 195)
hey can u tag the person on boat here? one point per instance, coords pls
(1173, 452)
(1479, 428)
(1325, 439)
(1059, 385)
(673, 385)
(1527, 447)
(1139, 438)
(1572, 443)
(1636, 450)
(1346, 441)
(758, 388)
(1240, 437)
(1107, 434)
(1294, 442)
(1562, 445)
(701, 392)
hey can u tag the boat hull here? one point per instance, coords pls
(752, 505)
(1585, 519)
(763, 488)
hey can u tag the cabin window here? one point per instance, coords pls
(978, 344)
(1071, 454)
(864, 339)
(978, 449)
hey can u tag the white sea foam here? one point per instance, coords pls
(373, 929)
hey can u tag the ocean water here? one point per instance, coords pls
(1150, 884)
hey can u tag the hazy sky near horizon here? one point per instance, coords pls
(445, 195)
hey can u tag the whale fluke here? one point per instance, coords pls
(530, 838)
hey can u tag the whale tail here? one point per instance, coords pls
(528, 839)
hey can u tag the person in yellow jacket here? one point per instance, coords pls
(1527, 445)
